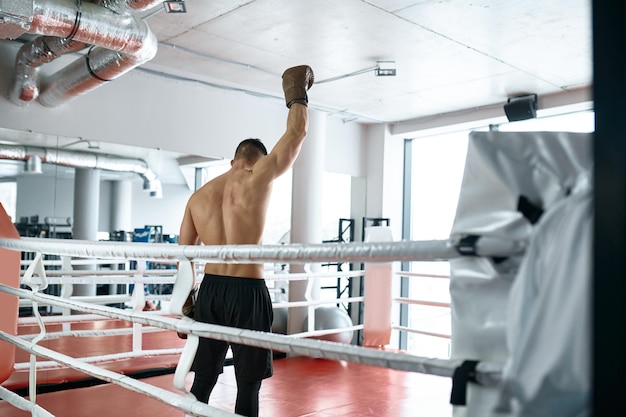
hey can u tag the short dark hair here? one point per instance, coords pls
(250, 149)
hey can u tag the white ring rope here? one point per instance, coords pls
(101, 261)
(420, 275)
(91, 279)
(487, 373)
(23, 404)
(292, 253)
(92, 333)
(294, 276)
(50, 365)
(120, 298)
(78, 318)
(121, 273)
(182, 402)
(324, 332)
(310, 303)
(403, 300)
(409, 330)
(109, 273)
(166, 276)
(105, 299)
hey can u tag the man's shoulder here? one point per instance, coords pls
(202, 193)
(212, 185)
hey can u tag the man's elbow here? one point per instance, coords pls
(301, 133)
(298, 132)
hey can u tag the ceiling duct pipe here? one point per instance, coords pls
(25, 85)
(119, 43)
(129, 6)
(77, 159)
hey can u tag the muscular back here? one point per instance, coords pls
(231, 209)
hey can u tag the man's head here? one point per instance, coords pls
(250, 150)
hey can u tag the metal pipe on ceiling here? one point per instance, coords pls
(77, 159)
(119, 40)
(24, 88)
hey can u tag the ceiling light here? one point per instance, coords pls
(175, 6)
(385, 69)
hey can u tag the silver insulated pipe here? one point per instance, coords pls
(77, 159)
(25, 84)
(118, 42)
(129, 6)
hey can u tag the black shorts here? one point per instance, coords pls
(235, 302)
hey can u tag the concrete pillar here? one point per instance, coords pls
(121, 205)
(306, 207)
(121, 215)
(86, 210)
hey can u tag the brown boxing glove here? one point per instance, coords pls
(296, 82)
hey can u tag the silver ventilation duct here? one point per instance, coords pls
(78, 159)
(25, 86)
(118, 43)
(129, 6)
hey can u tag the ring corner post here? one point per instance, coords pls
(10, 276)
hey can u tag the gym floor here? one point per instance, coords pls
(301, 386)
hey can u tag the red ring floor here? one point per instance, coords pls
(300, 387)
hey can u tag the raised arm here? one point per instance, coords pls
(296, 82)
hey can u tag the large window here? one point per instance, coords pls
(437, 171)
(437, 164)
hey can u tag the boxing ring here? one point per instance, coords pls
(35, 277)
(507, 294)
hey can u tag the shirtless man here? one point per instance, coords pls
(231, 209)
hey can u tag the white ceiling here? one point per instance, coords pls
(451, 55)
